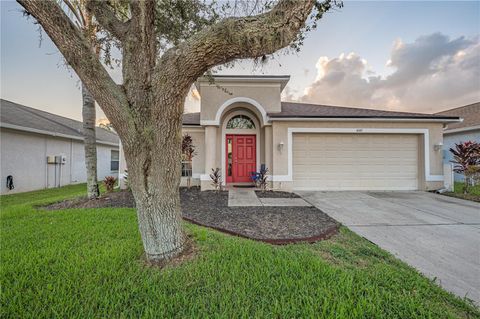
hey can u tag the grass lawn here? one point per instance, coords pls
(85, 263)
(474, 194)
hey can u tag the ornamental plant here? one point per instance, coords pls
(188, 152)
(109, 183)
(466, 159)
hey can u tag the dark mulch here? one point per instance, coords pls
(276, 225)
(115, 199)
(275, 194)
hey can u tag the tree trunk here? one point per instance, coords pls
(90, 143)
(153, 156)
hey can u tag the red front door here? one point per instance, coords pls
(240, 158)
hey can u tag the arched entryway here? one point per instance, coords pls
(240, 146)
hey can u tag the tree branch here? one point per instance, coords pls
(241, 38)
(107, 19)
(140, 54)
(80, 56)
(80, 19)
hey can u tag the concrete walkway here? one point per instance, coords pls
(436, 234)
(247, 197)
(242, 197)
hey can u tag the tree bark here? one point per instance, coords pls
(90, 143)
(153, 155)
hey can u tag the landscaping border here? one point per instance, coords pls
(284, 241)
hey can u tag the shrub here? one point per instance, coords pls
(261, 179)
(188, 152)
(216, 179)
(109, 183)
(466, 156)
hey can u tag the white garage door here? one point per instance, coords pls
(355, 161)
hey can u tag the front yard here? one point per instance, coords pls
(87, 263)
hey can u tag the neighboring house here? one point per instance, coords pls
(310, 147)
(467, 130)
(28, 136)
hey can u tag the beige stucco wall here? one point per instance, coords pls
(198, 160)
(23, 155)
(280, 134)
(266, 94)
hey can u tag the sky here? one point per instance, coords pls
(406, 55)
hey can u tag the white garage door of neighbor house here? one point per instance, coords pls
(355, 161)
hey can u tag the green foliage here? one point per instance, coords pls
(177, 20)
(458, 191)
(474, 190)
(86, 263)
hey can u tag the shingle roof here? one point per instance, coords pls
(191, 118)
(23, 116)
(304, 110)
(470, 114)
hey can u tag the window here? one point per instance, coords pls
(186, 168)
(114, 159)
(229, 156)
(240, 122)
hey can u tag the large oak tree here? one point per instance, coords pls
(166, 45)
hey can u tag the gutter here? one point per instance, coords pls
(367, 119)
(54, 134)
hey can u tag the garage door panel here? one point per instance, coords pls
(355, 161)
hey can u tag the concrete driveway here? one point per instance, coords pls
(436, 234)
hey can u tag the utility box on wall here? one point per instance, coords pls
(54, 170)
(60, 159)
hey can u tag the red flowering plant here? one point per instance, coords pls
(466, 160)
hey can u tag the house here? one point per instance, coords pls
(454, 133)
(243, 123)
(44, 150)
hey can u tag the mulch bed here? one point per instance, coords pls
(275, 225)
(116, 199)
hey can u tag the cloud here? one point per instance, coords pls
(429, 74)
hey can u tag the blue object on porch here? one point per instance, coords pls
(257, 175)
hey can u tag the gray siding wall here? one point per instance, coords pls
(450, 140)
(23, 155)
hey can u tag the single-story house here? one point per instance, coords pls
(44, 150)
(243, 124)
(454, 133)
